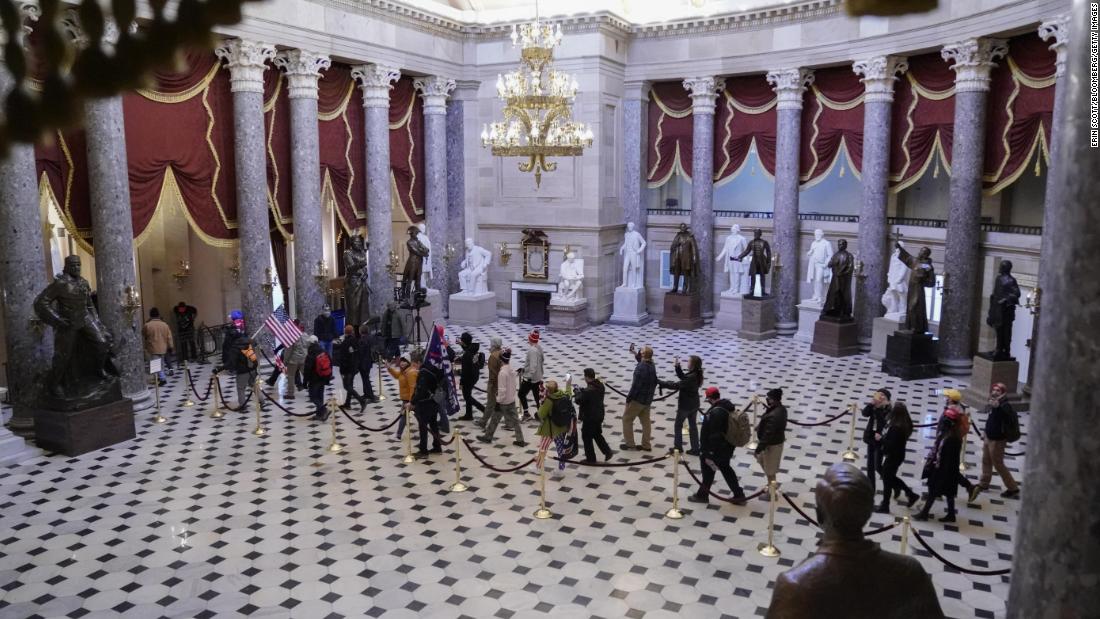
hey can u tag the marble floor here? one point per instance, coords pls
(200, 518)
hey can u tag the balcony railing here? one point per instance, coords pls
(986, 226)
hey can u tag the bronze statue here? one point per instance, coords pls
(1002, 311)
(921, 275)
(684, 260)
(414, 265)
(850, 576)
(356, 285)
(82, 373)
(760, 264)
(838, 302)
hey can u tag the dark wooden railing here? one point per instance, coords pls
(987, 226)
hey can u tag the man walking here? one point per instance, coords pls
(324, 327)
(469, 372)
(185, 330)
(532, 373)
(1001, 427)
(590, 411)
(505, 401)
(876, 412)
(638, 401)
(715, 450)
(158, 340)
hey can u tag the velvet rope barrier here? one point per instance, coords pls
(283, 408)
(473, 450)
(234, 408)
(657, 399)
(951, 565)
(611, 464)
(191, 382)
(368, 428)
(715, 494)
(440, 440)
(819, 423)
(807, 517)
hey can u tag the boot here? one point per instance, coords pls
(913, 497)
(883, 508)
(699, 498)
(950, 517)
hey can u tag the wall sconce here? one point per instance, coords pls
(1033, 300)
(322, 273)
(182, 274)
(37, 326)
(859, 268)
(505, 255)
(131, 301)
(777, 265)
(392, 264)
(269, 282)
(943, 285)
(235, 271)
(449, 252)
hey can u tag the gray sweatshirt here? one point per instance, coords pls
(532, 368)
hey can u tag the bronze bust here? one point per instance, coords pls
(850, 576)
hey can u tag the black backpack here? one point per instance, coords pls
(562, 412)
(1011, 426)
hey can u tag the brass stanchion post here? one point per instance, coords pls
(188, 403)
(904, 534)
(752, 443)
(458, 486)
(378, 392)
(850, 455)
(216, 394)
(409, 458)
(674, 512)
(333, 408)
(158, 418)
(769, 549)
(257, 393)
(542, 513)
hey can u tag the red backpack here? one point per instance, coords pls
(323, 366)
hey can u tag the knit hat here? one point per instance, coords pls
(775, 394)
(495, 341)
(466, 338)
(712, 393)
(953, 394)
(1001, 386)
(506, 355)
(884, 391)
(952, 413)
(533, 338)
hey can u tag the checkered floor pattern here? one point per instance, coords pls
(200, 518)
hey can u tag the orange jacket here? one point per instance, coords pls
(406, 380)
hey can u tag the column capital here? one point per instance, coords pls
(789, 84)
(973, 61)
(1057, 28)
(878, 76)
(636, 90)
(434, 90)
(703, 91)
(303, 69)
(466, 90)
(246, 61)
(376, 81)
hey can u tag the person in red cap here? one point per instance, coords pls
(1002, 426)
(715, 450)
(941, 466)
(531, 373)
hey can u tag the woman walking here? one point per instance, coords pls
(899, 427)
(554, 408)
(941, 468)
(687, 402)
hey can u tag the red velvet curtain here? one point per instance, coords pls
(746, 114)
(669, 132)
(923, 119)
(831, 117)
(407, 148)
(342, 134)
(277, 148)
(278, 252)
(1021, 104)
(63, 159)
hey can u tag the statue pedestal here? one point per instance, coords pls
(14, 449)
(883, 328)
(629, 307)
(986, 372)
(836, 338)
(757, 318)
(808, 314)
(473, 310)
(77, 432)
(682, 311)
(729, 312)
(568, 316)
(911, 356)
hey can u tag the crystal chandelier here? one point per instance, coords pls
(538, 105)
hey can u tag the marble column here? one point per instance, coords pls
(23, 274)
(376, 82)
(703, 92)
(303, 69)
(465, 92)
(878, 77)
(972, 61)
(635, 127)
(789, 85)
(1056, 559)
(247, 61)
(435, 90)
(113, 234)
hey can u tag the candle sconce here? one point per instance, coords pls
(777, 266)
(183, 274)
(943, 284)
(322, 273)
(269, 282)
(1033, 301)
(505, 255)
(131, 302)
(392, 264)
(235, 271)
(449, 252)
(37, 326)
(859, 269)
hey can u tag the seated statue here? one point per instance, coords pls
(572, 279)
(472, 278)
(850, 576)
(82, 373)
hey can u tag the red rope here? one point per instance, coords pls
(209, 386)
(715, 494)
(490, 466)
(951, 565)
(283, 408)
(368, 428)
(819, 423)
(816, 524)
(611, 464)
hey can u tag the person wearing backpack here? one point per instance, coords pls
(555, 414)
(347, 359)
(318, 371)
(470, 365)
(1002, 426)
(425, 406)
(717, 448)
(894, 437)
(687, 402)
(590, 407)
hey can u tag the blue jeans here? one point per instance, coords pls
(677, 432)
(327, 347)
(444, 422)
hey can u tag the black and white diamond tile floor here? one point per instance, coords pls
(199, 518)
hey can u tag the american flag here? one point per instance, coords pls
(285, 331)
(436, 359)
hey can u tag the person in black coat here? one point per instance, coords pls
(771, 432)
(687, 402)
(875, 412)
(470, 365)
(365, 353)
(347, 359)
(316, 383)
(590, 411)
(426, 408)
(716, 451)
(639, 400)
(999, 416)
(941, 467)
(895, 436)
(324, 327)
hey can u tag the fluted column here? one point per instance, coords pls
(635, 139)
(703, 91)
(247, 61)
(435, 90)
(465, 91)
(878, 77)
(23, 274)
(1056, 559)
(303, 69)
(973, 62)
(376, 82)
(789, 85)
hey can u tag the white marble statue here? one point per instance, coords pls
(472, 278)
(738, 270)
(897, 287)
(426, 273)
(633, 253)
(817, 271)
(571, 280)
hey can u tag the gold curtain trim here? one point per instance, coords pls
(752, 149)
(67, 206)
(990, 178)
(351, 169)
(269, 105)
(217, 160)
(273, 195)
(45, 191)
(935, 151)
(842, 149)
(928, 93)
(340, 109)
(404, 117)
(813, 139)
(172, 187)
(657, 149)
(186, 95)
(328, 192)
(724, 142)
(837, 105)
(667, 111)
(1029, 81)
(747, 109)
(676, 168)
(419, 210)
(1038, 142)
